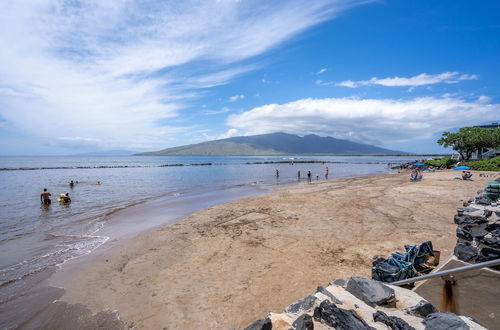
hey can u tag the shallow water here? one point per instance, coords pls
(34, 239)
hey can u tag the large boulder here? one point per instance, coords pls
(303, 322)
(422, 309)
(393, 322)
(371, 292)
(444, 321)
(302, 305)
(466, 252)
(338, 318)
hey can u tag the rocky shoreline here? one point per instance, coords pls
(478, 230)
(358, 303)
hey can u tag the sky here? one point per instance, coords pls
(143, 75)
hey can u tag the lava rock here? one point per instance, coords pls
(422, 309)
(490, 241)
(444, 321)
(304, 322)
(393, 322)
(466, 252)
(371, 292)
(493, 228)
(487, 213)
(327, 293)
(483, 200)
(302, 304)
(339, 281)
(264, 324)
(465, 219)
(462, 233)
(338, 318)
(489, 254)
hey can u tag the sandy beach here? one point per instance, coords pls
(226, 266)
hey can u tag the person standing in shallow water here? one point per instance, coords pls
(326, 174)
(309, 174)
(45, 197)
(277, 174)
(298, 175)
(71, 184)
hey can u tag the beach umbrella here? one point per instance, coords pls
(461, 168)
(419, 164)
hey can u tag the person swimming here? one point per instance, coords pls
(64, 198)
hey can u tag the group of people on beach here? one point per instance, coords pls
(309, 175)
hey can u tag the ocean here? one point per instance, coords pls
(35, 240)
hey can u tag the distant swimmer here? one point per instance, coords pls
(98, 182)
(71, 184)
(45, 197)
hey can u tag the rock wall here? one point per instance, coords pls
(478, 230)
(358, 304)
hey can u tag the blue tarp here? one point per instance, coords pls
(400, 265)
(461, 168)
(419, 164)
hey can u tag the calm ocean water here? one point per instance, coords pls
(35, 239)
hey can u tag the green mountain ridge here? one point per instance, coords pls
(275, 144)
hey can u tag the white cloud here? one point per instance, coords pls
(320, 82)
(215, 112)
(230, 133)
(483, 99)
(236, 98)
(419, 80)
(117, 71)
(366, 120)
(323, 70)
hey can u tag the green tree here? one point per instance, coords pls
(469, 139)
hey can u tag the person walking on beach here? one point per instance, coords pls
(309, 176)
(45, 197)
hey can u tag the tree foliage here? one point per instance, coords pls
(469, 139)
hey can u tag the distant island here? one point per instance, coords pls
(275, 144)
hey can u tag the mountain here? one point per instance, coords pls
(275, 144)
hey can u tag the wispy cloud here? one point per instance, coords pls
(365, 120)
(419, 80)
(216, 112)
(236, 98)
(117, 71)
(322, 71)
(320, 82)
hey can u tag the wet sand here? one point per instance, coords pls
(227, 265)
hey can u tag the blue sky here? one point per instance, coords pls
(79, 76)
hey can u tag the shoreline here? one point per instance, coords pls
(225, 266)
